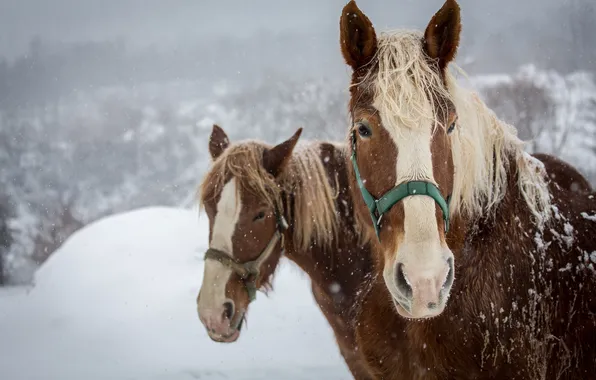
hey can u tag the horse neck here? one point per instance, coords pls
(315, 262)
(338, 270)
(346, 260)
(508, 206)
(489, 244)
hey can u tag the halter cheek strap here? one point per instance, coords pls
(249, 271)
(378, 207)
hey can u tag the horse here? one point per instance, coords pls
(288, 199)
(483, 267)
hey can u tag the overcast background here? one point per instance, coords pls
(178, 22)
(68, 45)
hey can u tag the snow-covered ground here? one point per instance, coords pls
(117, 301)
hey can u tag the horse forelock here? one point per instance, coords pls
(243, 162)
(408, 91)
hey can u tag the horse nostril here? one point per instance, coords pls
(402, 283)
(450, 275)
(228, 310)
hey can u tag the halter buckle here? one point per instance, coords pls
(379, 220)
(377, 214)
(251, 289)
(282, 223)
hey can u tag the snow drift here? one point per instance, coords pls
(117, 301)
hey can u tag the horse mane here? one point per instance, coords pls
(309, 196)
(410, 92)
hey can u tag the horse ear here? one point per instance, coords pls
(358, 39)
(218, 142)
(441, 37)
(276, 158)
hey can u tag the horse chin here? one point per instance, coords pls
(230, 337)
(403, 312)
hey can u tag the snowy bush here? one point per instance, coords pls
(6, 238)
(555, 114)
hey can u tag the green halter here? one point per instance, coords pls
(377, 207)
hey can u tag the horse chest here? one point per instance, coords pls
(332, 298)
(451, 346)
(336, 313)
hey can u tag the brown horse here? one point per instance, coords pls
(484, 269)
(262, 201)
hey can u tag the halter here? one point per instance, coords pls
(377, 207)
(249, 271)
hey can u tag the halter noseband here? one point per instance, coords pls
(249, 271)
(377, 207)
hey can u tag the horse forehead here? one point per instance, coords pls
(229, 200)
(406, 124)
(413, 144)
(226, 217)
(408, 138)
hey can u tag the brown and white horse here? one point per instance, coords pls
(484, 269)
(262, 201)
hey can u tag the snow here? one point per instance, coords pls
(585, 215)
(567, 268)
(573, 96)
(569, 237)
(117, 301)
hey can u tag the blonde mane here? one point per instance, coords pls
(314, 213)
(409, 92)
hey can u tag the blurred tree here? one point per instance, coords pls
(525, 105)
(6, 239)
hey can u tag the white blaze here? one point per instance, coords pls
(216, 275)
(421, 252)
(414, 163)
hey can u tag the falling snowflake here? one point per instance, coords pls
(334, 288)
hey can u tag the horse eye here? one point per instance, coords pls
(451, 128)
(259, 216)
(364, 129)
